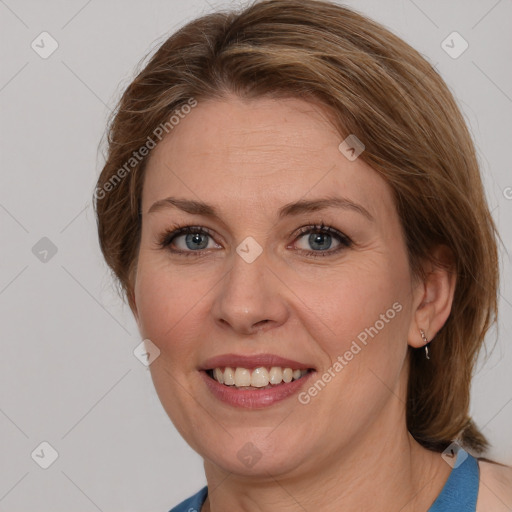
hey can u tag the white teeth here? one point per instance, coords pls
(258, 377)
(242, 377)
(275, 375)
(229, 376)
(219, 375)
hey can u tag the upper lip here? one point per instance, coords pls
(253, 361)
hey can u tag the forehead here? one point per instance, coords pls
(258, 153)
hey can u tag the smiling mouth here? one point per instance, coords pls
(256, 378)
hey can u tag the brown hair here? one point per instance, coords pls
(392, 99)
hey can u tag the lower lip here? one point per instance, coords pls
(254, 398)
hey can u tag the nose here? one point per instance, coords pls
(250, 298)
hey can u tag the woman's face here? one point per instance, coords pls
(264, 281)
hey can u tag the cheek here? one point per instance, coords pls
(360, 301)
(167, 302)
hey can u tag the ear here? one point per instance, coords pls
(433, 296)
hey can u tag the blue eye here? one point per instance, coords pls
(320, 238)
(196, 240)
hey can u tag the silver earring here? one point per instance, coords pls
(425, 341)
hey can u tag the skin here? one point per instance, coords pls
(495, 490)
(349, 448)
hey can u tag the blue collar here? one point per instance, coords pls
(461, 489)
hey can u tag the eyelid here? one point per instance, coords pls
(322, 228)
(170, 234)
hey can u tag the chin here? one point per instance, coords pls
(253, 453)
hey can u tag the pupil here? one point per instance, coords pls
(316, 240)
(196, 241)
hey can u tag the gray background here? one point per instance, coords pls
(67, 369)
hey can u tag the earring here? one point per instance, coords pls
(426, 342)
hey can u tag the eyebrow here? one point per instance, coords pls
(290, 209)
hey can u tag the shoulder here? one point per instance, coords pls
(495, 488)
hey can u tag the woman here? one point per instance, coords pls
(293, 207)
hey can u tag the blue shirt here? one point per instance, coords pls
(458, 494)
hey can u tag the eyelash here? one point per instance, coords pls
(168, 236)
